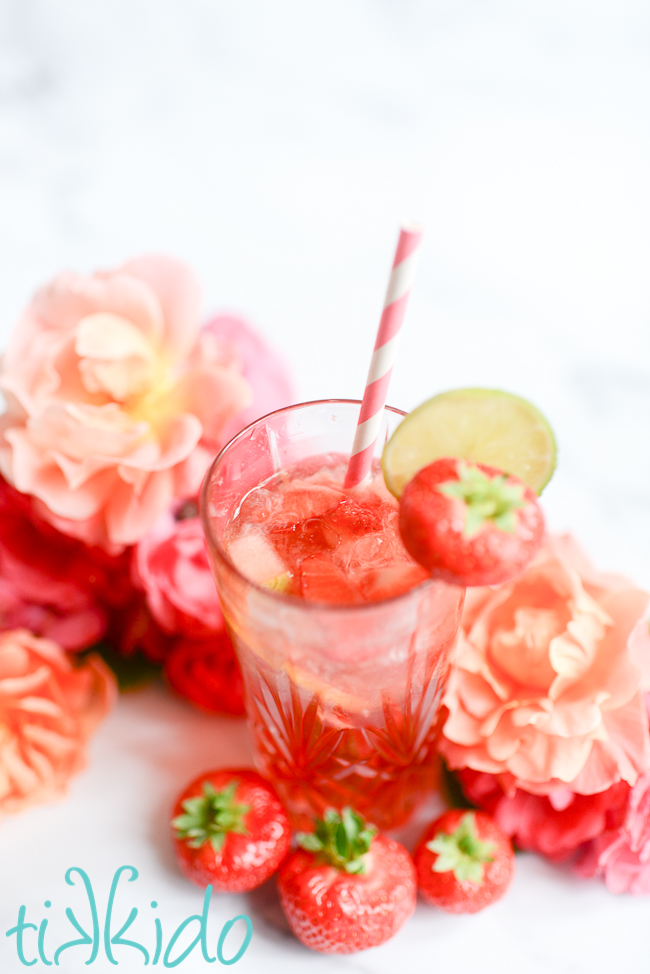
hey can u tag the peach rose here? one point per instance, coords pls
(48, 709)
(116, 400)
(545, 692)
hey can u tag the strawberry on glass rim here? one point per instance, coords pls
(467, 466)
(469, 523)
(347, 887)
(230, 830)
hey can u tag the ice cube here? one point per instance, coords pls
(255, 557)
(358, 555)
(302, 500)
(322, 581)
(295, 541)
(351, 519)
(258, 506)
(386, 583)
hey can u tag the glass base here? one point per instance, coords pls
(319, 756)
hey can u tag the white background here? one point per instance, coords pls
(276, 146)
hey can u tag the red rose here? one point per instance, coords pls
(206, 672)
(51, 584)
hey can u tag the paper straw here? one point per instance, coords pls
(384, 354)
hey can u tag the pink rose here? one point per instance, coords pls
(261, 366)
(171, 564)
(544, 691)
(622, 856)
(554, 825)
(50, 583)
(48, 710)
(116, 400)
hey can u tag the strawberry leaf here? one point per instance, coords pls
(310, 842)
(486, 498)
(462, 852)
(210, 816)
(341, 840)
(217, 840)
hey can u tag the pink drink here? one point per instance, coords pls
(343, 641)
(304, 534)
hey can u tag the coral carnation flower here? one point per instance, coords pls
(48, 709)
(546, 691)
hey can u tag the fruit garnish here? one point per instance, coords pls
(470, 524)
(230, 830)
(463, 861)
(279, 583)
(486, 498)
(347, 887)
(482, 425)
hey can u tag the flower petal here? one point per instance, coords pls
(179, 294)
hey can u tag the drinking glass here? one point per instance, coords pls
(343, 701)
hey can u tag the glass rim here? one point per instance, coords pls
(281, 597)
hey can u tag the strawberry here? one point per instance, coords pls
(347, 887)
(230, 830)
(470, 524)
(464, 862)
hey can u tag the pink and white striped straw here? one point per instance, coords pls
(384, 354)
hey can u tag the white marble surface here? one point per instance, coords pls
(276, 146)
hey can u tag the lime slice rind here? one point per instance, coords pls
(484, 425)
